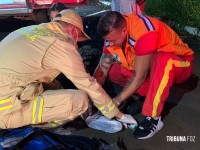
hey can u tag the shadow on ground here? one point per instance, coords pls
(177, 92)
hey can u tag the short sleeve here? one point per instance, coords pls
(147, 44)
(105, 50)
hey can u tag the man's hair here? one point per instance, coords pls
(56, 7)
(111, 20)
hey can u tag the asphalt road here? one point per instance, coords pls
(181, 111)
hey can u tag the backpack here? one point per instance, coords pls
(31, 138)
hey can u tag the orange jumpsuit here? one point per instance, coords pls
(36, 54)
(172, 60)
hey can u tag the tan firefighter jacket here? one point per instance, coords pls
(36, 54)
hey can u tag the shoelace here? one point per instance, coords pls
(148, 123)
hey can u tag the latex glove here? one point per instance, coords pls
(128, 119)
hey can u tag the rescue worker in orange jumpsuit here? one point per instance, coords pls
(145, 56)
(32, 57)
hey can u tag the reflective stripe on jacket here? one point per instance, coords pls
(37, 54)
(138, 26)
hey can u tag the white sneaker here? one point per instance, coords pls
(102, 123)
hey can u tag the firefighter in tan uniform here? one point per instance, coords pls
(34, 55)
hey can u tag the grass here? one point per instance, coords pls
(182, 12)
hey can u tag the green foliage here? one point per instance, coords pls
(182, 12)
